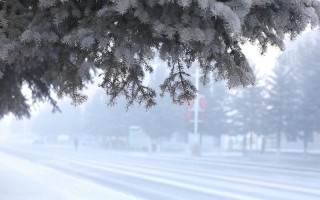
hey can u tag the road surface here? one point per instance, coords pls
(92, 174)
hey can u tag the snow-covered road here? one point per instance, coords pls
(97, 174)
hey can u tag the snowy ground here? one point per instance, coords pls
(45, 173)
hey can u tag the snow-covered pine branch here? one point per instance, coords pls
(47, 42)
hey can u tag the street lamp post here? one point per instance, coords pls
(196, 110)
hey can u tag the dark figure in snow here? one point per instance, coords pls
(244, 146)
(76, 143)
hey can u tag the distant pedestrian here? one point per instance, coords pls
(76, 143)
(244, 146)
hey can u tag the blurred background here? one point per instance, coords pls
(279, 114)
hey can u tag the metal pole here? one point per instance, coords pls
(196, 109)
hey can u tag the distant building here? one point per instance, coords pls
(138, 139)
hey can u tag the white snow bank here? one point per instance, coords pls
(66, 186)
